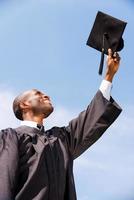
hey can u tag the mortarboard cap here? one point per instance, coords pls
(106, 33)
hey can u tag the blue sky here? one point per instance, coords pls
(43, 45)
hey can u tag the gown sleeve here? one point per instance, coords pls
(8, 164)
(89, 126)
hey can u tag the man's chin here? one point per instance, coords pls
(48, 112)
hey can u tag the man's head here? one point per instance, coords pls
(32, 102)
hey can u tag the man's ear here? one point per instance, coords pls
(24, 105)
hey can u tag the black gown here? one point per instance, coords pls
(35, 166)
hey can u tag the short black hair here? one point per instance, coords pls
(17, 109)
(16, 103)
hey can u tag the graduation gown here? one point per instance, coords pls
(40, 167)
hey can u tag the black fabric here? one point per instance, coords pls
(40, 167)
(41, 128)
(107, 33)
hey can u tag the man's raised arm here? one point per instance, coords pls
(89, 126)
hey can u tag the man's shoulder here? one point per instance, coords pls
(9, 135)
(7, 131)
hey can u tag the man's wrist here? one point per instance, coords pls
(109, 77)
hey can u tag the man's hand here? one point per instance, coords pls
(113, 62)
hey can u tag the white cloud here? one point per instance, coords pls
(60, 117)
(7, 118)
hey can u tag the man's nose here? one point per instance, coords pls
(46, 97)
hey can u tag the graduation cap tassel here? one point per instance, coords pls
(101, 62)
(102, 54)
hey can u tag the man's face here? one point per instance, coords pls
(39, 103)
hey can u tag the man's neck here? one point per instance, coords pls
(30, 117)
(37, 119)
(28, 123)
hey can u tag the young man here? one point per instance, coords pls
(37, 164)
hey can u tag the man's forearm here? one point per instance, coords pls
(113, 61)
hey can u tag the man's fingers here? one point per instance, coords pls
(110, 53)
(116, 57)
(113, 56)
